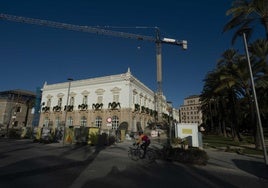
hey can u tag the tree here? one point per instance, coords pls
(245, 14)
(259, 51)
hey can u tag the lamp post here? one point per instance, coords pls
(66, 110)
(255, 100)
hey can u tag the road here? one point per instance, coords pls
(27, 164)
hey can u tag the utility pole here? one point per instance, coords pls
(255, 101)
(66, 110)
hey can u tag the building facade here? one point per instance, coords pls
(190, 111)
(109, 103)
(16, 108)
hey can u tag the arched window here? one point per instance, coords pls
(115, 122)
(83, 121)
(46, 121)
(70, 121)
(98, 121)
(57, 122)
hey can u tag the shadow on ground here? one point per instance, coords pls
(154, 175)
(255, 168)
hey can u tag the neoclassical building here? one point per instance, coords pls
(108, 102)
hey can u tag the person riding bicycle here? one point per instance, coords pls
(144, 142)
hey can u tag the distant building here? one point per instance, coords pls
(16, 108)
(190, 111)
(111, 102)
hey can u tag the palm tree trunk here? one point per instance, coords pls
(224, 129)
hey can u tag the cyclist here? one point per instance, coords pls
(144, 142)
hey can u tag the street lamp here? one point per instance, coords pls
(255, 99)
(66, 109)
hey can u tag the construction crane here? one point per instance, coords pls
(158, 40)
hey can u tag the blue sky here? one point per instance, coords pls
(31, 55)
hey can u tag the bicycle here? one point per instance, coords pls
(136, 152)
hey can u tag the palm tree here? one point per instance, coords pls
(245, 13)
(207, 99)
(229, 86)
(218, 93)
(259, 51)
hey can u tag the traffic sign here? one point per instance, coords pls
(109, 120)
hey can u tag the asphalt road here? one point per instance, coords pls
(27, 164)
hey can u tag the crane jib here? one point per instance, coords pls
(72, 27)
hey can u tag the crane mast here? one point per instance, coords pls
(88, 29)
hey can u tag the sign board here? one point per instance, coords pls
(109, 120)
(189, 131)
(109, 124)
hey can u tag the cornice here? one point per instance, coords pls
(126, 77)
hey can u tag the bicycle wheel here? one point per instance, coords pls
(136, 154)
(129, 153)
(150, 156)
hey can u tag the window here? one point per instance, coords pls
(145, 101)
(46, 121)
(134, 97)
(70, 121)
(57, 121)
(83, 121)
(72, 101)
(85, 99)
(59, 101)
(100, 99)
(98, 122)
(116, 98)
(141, 100)
(115, 122)
(49, 102)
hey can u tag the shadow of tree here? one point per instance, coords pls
(158, 176)
(43, 167)
(258, 169)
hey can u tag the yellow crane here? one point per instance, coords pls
(158, 40)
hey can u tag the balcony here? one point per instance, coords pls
(82, 107)
(69, 108)
(114, 105)
(56, 108)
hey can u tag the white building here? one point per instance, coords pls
(121, 98)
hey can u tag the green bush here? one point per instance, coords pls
(111, 140)
(14, 133)
(189, 156)
(93, 138)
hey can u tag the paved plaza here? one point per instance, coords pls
(27, 164)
